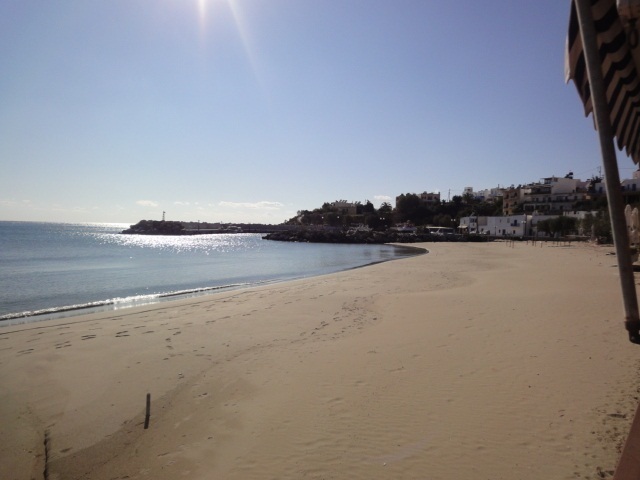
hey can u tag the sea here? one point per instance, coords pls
(54, 270)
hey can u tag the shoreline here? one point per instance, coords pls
(477, 360)
(115, 304)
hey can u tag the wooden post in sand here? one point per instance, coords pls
(47, 448)
(148, 414)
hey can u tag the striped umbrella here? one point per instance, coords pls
(619, 72)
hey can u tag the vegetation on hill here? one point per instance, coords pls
(409, 208)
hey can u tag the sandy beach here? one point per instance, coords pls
(474, 361)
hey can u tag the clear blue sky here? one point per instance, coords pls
(249, 110)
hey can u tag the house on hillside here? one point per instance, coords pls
(430, 198)
(513, 198)
(555, 195)
(550, 196)
(425, 197)
(345, 208)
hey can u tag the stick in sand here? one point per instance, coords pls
(148, 414)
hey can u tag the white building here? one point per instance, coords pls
(507, 226)
(631, 185)
(511, 225)
(555, 195)
(485, 195)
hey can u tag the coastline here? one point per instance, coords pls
(118, 271)
(477, 360)
(114, 304)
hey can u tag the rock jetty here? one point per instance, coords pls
(156, 227)
(324, 236)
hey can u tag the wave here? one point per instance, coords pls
(115, 303)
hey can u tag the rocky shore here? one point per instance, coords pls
(322, 236)
(308, 235)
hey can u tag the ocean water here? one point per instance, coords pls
(50, 270)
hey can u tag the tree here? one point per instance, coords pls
(456, 200)
(385, 209)
(544, 226)
(565, 225)
(598, 226)
(468, 198)
(558, 227)
(593, 181)
(410, 208)
(333, 219)
(443, 220)
(368, 207)
(327, 207)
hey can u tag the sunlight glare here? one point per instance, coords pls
(240, 24)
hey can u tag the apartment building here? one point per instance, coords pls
(513, 198)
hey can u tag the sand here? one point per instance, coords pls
(475, 361)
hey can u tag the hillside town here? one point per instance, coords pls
(551, 207)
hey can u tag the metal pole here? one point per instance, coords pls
(610, 163)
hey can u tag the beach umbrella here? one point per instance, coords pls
(600, 60)
(631, 216)
(602, 46)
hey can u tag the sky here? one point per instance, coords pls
(251, 110)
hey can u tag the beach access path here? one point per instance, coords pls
(475, 361)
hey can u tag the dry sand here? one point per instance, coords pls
(476, 361)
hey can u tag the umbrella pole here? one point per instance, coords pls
(610, 164)
(628, 467)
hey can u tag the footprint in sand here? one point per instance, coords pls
(63, 344)
(124, 333)
(88, 337)
(25, 352)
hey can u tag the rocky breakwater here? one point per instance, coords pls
(322, 236)
(156, 227)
